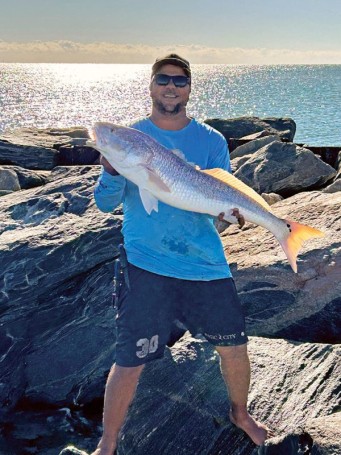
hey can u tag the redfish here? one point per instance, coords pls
(165, 175)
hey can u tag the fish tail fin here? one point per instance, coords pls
(297, 234)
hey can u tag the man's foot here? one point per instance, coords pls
(258, 432)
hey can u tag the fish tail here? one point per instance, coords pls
(297, 234)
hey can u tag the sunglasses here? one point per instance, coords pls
(178, 81)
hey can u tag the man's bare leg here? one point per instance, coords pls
(119, 393)
(235, 367)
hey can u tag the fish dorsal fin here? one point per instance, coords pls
(229, 179)
(149, 201)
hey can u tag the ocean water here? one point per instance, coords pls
(60, 95)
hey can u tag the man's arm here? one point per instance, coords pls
(109, 189)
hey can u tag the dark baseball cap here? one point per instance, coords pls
(172, 59)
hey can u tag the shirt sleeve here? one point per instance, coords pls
(109, 191)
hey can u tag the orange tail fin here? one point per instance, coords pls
(298, 233)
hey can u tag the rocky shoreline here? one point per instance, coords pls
(57, 333)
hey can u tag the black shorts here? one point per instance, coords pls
(146, 312)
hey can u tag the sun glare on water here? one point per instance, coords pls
(64, 95)
(60, 95)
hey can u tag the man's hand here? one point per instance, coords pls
(222, 224)
(240, 218)
(107, 166)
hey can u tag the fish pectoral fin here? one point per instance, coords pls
(156, 181)
(149, 201)
(231, 180)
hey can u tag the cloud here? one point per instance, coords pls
(106, 52)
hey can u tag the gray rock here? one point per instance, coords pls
(46, 137)
(62, 172)
(28, 178)
(55, 249)
(236, 163)
(5, 192)
(28, 156)
(35, 148)
(303, 306)
(334, 187)
(320, 436)
(325, 434)
(240, 127)
(47, 431)
(271, 198)
(251, 147)
(284, 168)
(254, 136)
(181, 404)
(8, 180)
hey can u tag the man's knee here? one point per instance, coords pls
(232, 352)
(127, 372)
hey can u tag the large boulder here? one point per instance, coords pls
(46, 137)
(333, 187)
(253, 146)
(325, 434)
(56, 252)
(304, 306)
(239, 127)
(284, 168)
(28, 156)
(8, 180)
(36, 148)
(28, 178)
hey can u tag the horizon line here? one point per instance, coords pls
(64, 51)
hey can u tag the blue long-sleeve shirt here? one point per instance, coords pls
(171, 242)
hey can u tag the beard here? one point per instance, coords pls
(168, 110)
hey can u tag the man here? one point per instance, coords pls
(176, 264)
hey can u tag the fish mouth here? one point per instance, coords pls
(102, 133)
(94, 132)
(92, 135)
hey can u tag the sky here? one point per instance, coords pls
(204, 31)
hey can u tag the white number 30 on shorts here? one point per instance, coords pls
(147, 346)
